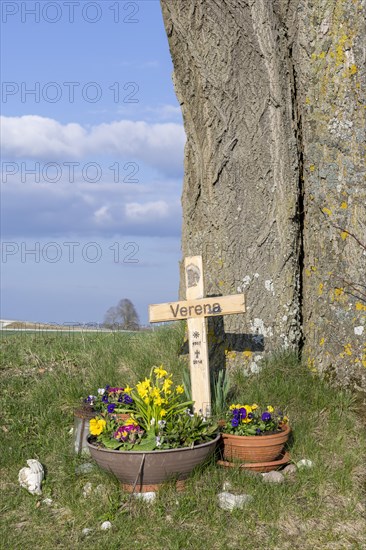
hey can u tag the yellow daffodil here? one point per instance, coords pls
(160, 372)
(158, 401)
(147, 400)
(270, 409)
(166, 385)
(155, 392)
(143, 387)
(128, 389)
(96, 426)
(179, 389)
(162, 412)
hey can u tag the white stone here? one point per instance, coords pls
(87, 531)
(359, 330)
(228, 501)
(289, 470)
(273, 477)
(47, 501)
(106, 525)
(149, 496)
(87, 490)
(305, 463)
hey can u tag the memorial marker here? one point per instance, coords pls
(195, 309)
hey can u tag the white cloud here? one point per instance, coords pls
(160, 144)
(102, 215)
(145, 211)
(35, 136)
(63, 209)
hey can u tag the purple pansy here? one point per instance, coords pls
(266, 416)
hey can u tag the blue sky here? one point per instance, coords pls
(92, 160)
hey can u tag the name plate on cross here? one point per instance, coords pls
(195, 309)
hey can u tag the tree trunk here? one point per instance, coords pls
(329, 56)
(270, 95)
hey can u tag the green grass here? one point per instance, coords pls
(43, 378)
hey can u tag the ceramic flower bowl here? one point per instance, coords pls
(139, 470)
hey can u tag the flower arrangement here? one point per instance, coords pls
(110, 400)
(158, 418)
(253, 420)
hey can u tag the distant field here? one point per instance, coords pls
(64, 331)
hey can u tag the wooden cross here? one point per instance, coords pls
(195, 309)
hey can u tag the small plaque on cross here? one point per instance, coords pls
(195, 309)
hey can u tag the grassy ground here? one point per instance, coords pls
(43, 378)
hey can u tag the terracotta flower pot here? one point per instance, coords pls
(151, 468)
(255, 448)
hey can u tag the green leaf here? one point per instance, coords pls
(148, 443)
(110, 443)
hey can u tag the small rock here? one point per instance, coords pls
(87, 531)
(85, 468)
(290, 469)
(106, 525)
(305, 463)
(273, 477)
(100, 490)
(149, 496)
(71, 431)
(47, 501)
(87, 490)
(228, 501)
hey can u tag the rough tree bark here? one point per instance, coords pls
(271, 100)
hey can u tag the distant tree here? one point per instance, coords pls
(123, 316)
